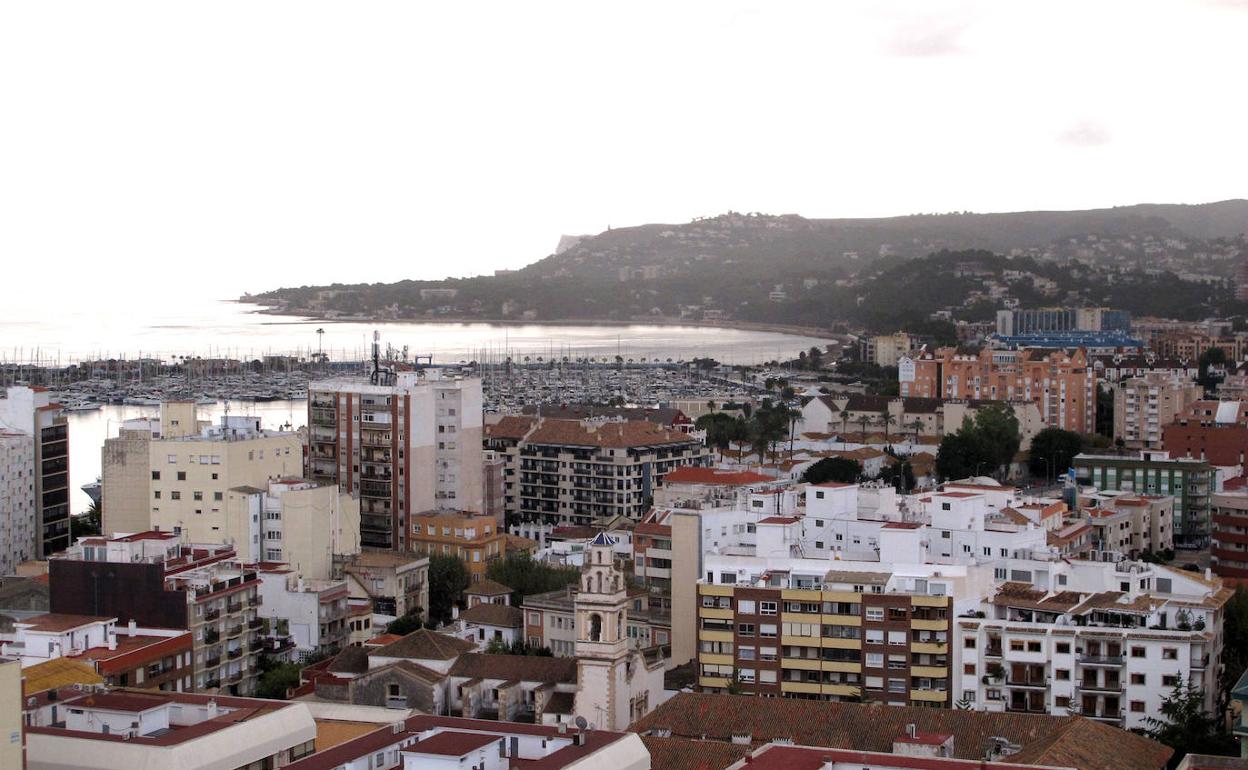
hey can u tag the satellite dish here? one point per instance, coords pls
(581, 723)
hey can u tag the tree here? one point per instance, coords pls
(88, 523)
(840, 469)
(1235, 643)
(497, 646)
(276, 678)
(448, 577)
(886, 420)
(1185, 725)
(997, 427)
(408, 623)
(961, 455)
(526, 576)
(916, 425)
(1053, 450)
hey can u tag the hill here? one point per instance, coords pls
(816, 272)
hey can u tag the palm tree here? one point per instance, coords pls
(886, 419)
(863, 421)
(916, 425)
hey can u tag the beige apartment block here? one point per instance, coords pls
(307, 525)
(11, 750)
(174, 474)
(1144, 406)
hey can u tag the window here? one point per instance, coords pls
(875, 613)
(969, 642)
(875, 636)
(181, 475)
(767, 630)
(197, 495)
(1139, 679)
(767, 653)
(155, 475)
(1062, 701)
(1169, 680)
(1062, 648)
(745, 607)
(897, 637)
(175, 495)
(1033, 646)
(1062, 674)
(156, 494)
(767, 608)
(1169, 653)
(1137, 707)
(216, 496)
(1137, 652)
(745, 653)
(875, 659)
(968, 669)
(745, 629)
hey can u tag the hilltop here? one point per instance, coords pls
(817, 272)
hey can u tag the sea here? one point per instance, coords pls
(138, 323)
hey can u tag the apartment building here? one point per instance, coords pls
(1106, 641)
(1191, 482)
(1130, 526)
(1144, 406)
(309, 612)
(493, 487)
(888, 348)
(845, 638)
(123, 729)
(30, 410)
(394, 584)
(1228, 545)
(573, 472)
(402, 442)
(157, 580)
(1062, 383)
(305, 524)
(474, 537)
(174, 473)
(12, 752)
(19, 535)
(1215, 431)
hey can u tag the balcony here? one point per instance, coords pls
(255, 601)
(255, 623)
(992, 652)
(212, 683)
(237, 676)
(1035, 683)
(211, 636)
(1101, 660)
(234, 607)
(233, 631)
(1101, 687)
(235, 653)
(256, 645)
(213, 661)
(211, 615)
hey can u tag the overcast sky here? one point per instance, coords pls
(236, 146)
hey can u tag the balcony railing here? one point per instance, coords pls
(213, 661)
(1101, 660)
(211, 615)
(211, 636)
(255, 623)
(212, 682)
(234, 630)
(235, 653)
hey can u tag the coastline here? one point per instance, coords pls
(754, 326)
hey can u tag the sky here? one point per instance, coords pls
(166, 150)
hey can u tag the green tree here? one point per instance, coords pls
(407, 623)
(448, 577)
(1186, 726)
(1235, 642)
(88, 523)
(1053, 450)
(526, 576)
(840, 469)
(962, 454)
(276, 678)
(997, 427)
(721, 430)
(497, 646)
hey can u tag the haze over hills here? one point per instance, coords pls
(816, 272)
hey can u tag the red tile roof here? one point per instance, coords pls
(779, 520)
(698, 475)
(619, 435)
(451, 743)
(135, 651)
(55, 622)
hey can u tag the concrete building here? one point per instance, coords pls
(31, 411)
(12, 749)
(550, 620)
(1215, 431)
(573, 472)
(881, 419)
(311, 612)
(1129, 526)
(888, 348)
(1106, 641)
(1190, 481)
(307, 525)
(50, 636)
(1144, 406)
(474, 537)
(1228, 545)
(493, 484)
(402, 443)
(1061, 383)
(393, 583)
(19, 521)
(127, 729)
(174, 474)
(157, 580)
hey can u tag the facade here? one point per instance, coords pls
(1215, 431)
(1011, 323)
(19, 530)
(889, 348)
(403, 443)
(184, 469)
(493, 487)
(474, 537)
(880, 419)
(1228, 545)
(393, 583)
(12, 752)
(846, 639)
(1129, 526)
(1190, 482)
(307, 525)
(156, 580)
(1106, 642)
(1061, 383)
(1144, 406)
(550, 620)
(31, 411)
(311, 613)
(125, 729)
(573, 472)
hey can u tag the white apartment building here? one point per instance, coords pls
(302, 523)
(311, 613)
(19, 539)
(30, 410)
(402, 442)
(47, 636)
(1107, 641)
(173, 474)
(127, 729)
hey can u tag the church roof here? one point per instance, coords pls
(603, 539)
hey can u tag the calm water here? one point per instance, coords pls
(87, 431)
(168, 327)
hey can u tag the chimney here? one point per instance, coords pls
(454, 612)
(132, 628)
(911, 730)
(211, 709)
(112, 641)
